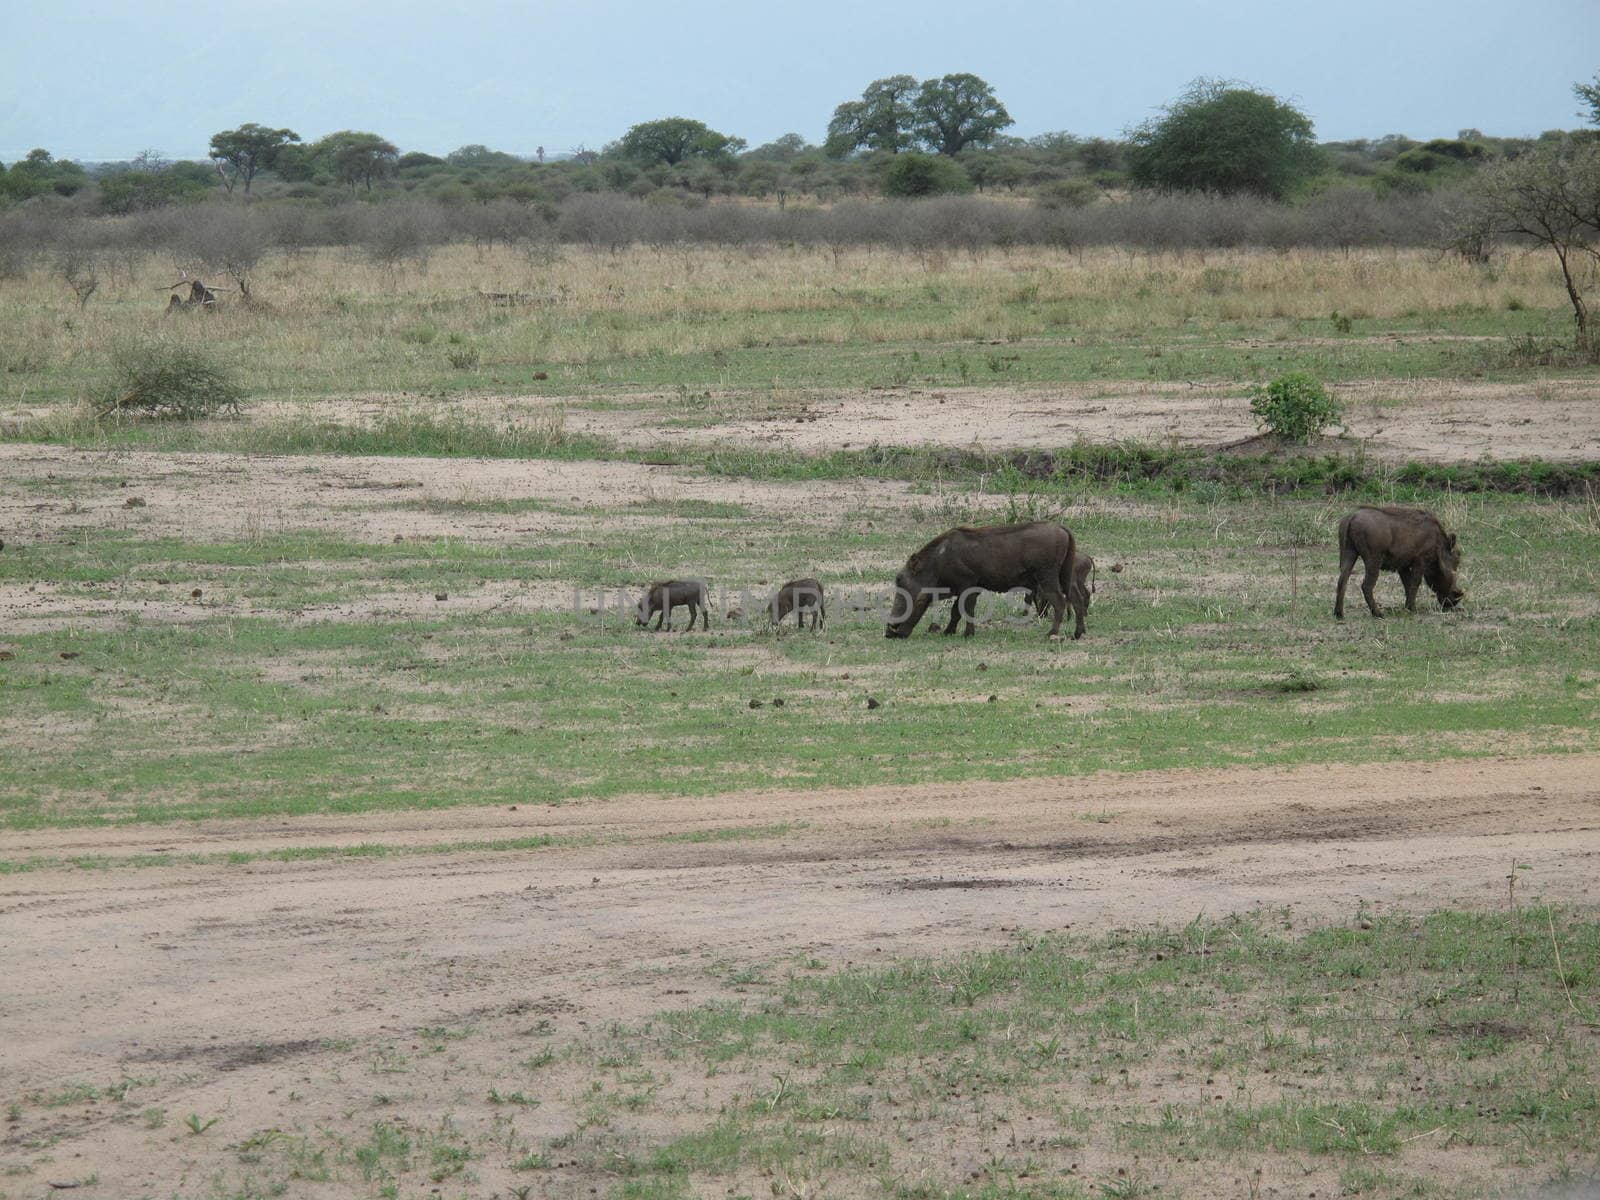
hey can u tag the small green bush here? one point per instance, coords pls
(161, 378)
(1294, 407)
(1066, 193)
(913, 174)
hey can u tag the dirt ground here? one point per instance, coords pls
(264, 993)
(1394, 421)
(51, 491)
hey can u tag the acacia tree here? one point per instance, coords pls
(1226, 138)
(881, 120)
(957, 111)
(240, 153)
(357, 157)
(1553, 198)
(671, 140)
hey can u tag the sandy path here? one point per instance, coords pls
(269, 993)
(232, 989)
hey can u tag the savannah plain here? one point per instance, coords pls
(352, 842)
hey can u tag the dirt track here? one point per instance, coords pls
(234, 990)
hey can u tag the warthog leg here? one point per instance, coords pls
(955, 616)
(1347, 564)
(1412, 578)
(1053, 596)
(1369, 583)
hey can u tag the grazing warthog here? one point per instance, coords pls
(1407, 541)
(660, 599)
(1080, 590)
(961, 562)
(798, 596)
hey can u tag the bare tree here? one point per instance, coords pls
(1551, 198)
(230, 240)
(78, 260)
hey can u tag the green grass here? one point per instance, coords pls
(1449, 1048)
(1199, 654)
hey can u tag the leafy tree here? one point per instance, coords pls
(957, 111)
(671, 140)
(1227, 138)
(356, 157)
(135, 190)
(1100, 154)
(478, 155)
(915, 174)
(39, 172)
(881, 120)
(1552, 197)
(1589, 95)
(240, 153)
(785, 149)
(414, 159)
(1433, 163)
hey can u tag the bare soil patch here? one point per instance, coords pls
(1430, 420)
(52, 491)
(283, 995)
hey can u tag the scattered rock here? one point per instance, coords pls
(872, 703)
(992, 698)
(736, 614)
(441, 595)
(133, 502)
(398, 538)
(755, 704)
(69, 654)
(195, 595)
(983, 666)
(777, 702)
(1116, 568)
(541, 374)
(6, 655)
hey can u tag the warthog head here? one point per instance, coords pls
(1442, 579)
(906, 606)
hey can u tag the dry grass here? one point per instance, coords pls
(330, 323)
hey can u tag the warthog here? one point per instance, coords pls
(660, 599)
(961, 562)
(798, 596)
(1407, 541)
(1080, 590)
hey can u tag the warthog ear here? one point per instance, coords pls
(1450, 540)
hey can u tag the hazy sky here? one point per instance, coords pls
(95, 79)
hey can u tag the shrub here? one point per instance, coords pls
(1294, 407)
(915, 174)
(162, 378)
(1066, 193)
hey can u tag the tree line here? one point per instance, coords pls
(902, 137)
